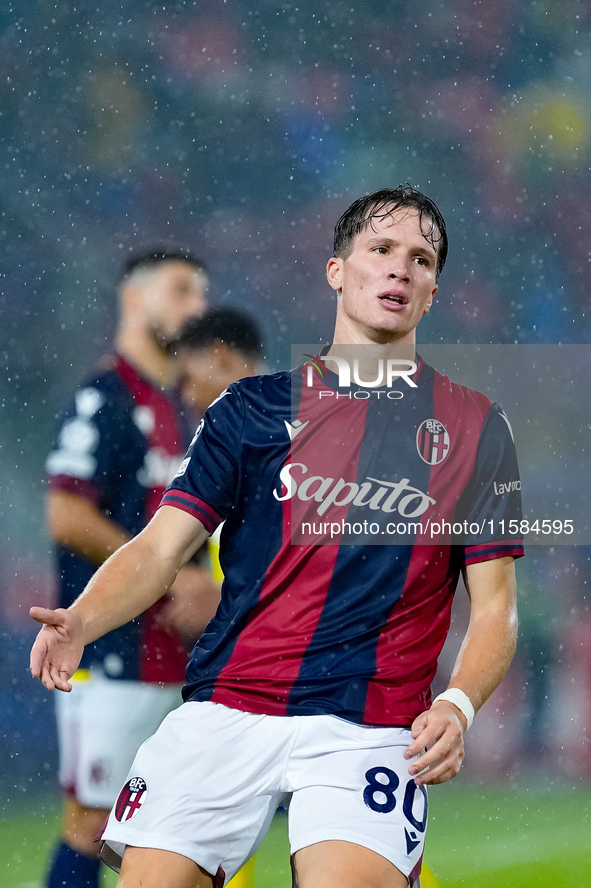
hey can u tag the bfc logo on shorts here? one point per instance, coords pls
(432, 441)
(131, 798)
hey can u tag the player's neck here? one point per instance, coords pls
(151, 361)
(348, 333)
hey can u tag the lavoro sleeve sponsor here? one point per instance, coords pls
(490, 508)
(206, 483)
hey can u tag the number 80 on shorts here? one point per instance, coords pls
(381, 795)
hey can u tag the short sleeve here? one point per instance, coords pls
(207, 481)
(81, 460)
(490, 508)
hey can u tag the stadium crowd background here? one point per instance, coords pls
(242, 130)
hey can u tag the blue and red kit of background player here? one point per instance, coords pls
(120, 442)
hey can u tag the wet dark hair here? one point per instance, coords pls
(228, 325)
(150, 259)
(382, 203)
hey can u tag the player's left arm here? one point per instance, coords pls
(483, 660)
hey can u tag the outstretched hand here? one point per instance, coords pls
(58, 648)
(439, 730)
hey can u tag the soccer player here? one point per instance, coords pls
(312, 682)
(213, 352)
(120, 442)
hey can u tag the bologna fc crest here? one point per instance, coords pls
(432, 441)
(131, 798)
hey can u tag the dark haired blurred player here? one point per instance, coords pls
(120, 442)
(312, 682)
(213, 352)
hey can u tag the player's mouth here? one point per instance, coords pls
(393, 300)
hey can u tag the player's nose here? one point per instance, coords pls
(399, 268)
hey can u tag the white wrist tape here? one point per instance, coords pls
(459, 699)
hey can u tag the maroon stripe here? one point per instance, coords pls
(78, 486)
(219, 878)
(406, 654)
(517, 542)
(475, 554)
(415, 873)
(195, 510)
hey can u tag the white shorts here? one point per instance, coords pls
(209, 782)
(101, 725)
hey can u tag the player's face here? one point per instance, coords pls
(206, 373)
(173, 293)
(386, 284)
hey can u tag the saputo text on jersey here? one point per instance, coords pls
(327, 492)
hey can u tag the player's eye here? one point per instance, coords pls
(381, 250)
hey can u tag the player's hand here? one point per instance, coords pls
(58, 648)
(191, 602)
(439, 730)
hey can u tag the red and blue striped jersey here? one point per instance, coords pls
(334, 599)
(120, 442)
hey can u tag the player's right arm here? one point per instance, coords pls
(131, 580)
(78, 524)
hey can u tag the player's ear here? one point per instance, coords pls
(132, 302)
(131, 296)
(429, 302)
(334, 272)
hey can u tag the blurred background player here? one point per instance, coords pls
(213, 352)
(121, 440)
